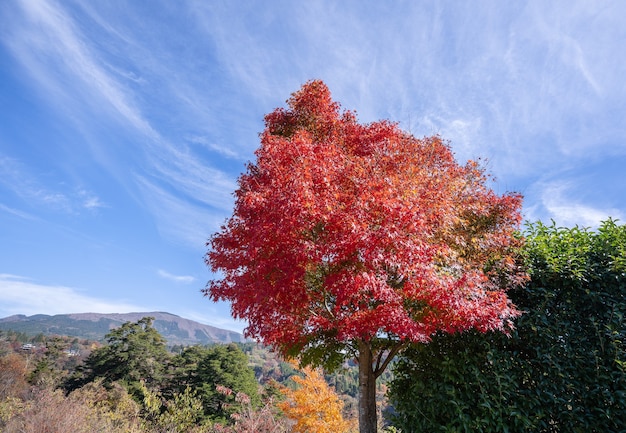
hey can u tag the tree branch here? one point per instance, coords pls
(391, 353)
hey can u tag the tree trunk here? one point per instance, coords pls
(367, 390)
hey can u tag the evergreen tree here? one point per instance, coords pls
(204, 369)
(135, 352)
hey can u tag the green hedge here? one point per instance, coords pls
(561, 370)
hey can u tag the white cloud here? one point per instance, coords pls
(20, 295)
(525, 85)
(214, 318)
(15, 177)
(17, 212)
(185, 279)
(54, 51)
(185, 172)
(222, 150)
(558, 200)
(176, 218)
(90, 200)
(36, 190)
(92, 203)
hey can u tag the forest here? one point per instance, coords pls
(134, 383)
(561, 369)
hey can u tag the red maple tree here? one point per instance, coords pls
(352, 240)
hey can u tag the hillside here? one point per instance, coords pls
(94, 326)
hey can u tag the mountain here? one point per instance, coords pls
(94, 326)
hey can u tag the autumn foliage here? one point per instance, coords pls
(314, 406)
(349, 231)
(12, 376)
(349, 239)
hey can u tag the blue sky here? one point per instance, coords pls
(125, 124)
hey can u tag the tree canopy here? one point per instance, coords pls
(562, 369)
(204, 369)
(350, 240)
(134, 352)
(313, 405)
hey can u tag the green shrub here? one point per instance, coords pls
(561, 370)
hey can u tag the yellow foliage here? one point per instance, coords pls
(113, 406)
(314, 406)
(10, 407)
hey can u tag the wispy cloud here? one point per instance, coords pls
(213, 317)
(92, 202)
(21, 181)
(560, 203)
(525, 85)
(54, 51)
(17, 213)
(89, 200)
(520, 84)
(212, 146)
(15, 178)
(185, 279)
(191, 176)
(177, 219)
(20, 295)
